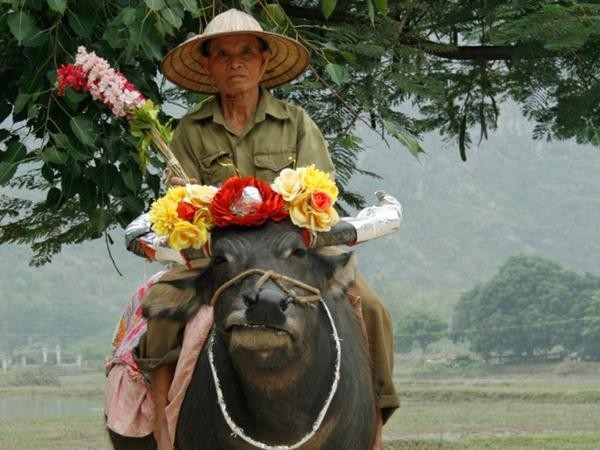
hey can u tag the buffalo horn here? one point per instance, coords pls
(370, 223)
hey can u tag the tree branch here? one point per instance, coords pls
(447, 51)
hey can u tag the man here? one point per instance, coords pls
(243, 130)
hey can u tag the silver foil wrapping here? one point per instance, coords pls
(139, 229)
(377, 221)
(247, 203)
(139, 235)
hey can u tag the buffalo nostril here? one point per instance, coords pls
(283, 304)
(249, 300)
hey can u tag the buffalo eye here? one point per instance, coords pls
(299, 252)
(218, 260)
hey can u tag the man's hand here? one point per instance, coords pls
(176, 181)
(378, 444)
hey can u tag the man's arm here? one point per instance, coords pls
(311, 147)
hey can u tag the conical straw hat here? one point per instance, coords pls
(183, 67)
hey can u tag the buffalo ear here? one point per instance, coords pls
(345, 273)
(172, 299)
(341, 272)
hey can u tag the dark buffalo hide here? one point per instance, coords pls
(275, 359)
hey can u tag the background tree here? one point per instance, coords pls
(531, 305)
(454, 61)
(420, 327)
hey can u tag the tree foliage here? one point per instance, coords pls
(531, 305)
(420, 327)
(454, 61)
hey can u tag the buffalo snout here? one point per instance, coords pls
(268, 307)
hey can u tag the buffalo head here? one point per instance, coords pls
(262, 325)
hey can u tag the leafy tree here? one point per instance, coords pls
(421, 327)
(369, 58)
(531, 304)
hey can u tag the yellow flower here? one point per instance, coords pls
(163, 215)
(304, 215)
(288, 184)
(175, 193)
(203, 217)
(185, 235)
(314, 179)
(199, 195)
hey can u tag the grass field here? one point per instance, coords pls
(549, 406)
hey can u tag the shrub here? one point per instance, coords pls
(38, 376)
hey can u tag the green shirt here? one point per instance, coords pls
(279, 135)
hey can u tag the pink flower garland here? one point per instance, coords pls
(93, 74)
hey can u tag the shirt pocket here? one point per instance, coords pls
(269, 163)
(216, 167)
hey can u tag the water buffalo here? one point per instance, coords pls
(275, 357)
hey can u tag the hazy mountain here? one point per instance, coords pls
(461, 222)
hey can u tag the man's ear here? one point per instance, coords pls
(266, 56)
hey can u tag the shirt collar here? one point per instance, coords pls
(267, 105)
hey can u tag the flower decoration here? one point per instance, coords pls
(237, 203)
(93, 74)
(185, 214)
(310, 194)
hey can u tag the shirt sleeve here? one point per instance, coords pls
(183, 150)
(311, 146)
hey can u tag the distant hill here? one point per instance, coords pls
(461, 222)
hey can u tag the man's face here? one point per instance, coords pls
(236, 63)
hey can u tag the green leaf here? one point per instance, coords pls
(155, 5)
(276, 14)
(338, 73)
(405, 139)
(106, 176)
(74, 97)
(58, 5)
(371, 11)
(132, 179)
(54, 197)
(87, 195)
(171, 16)
(22, 25)
(133, 203)
(381, 5)
(100, 220)
(7, 171)
(14, 155)
(83, 130)
(33, 111)
(20, 102)
(81, 24)
(127, 16)
(55, 155)
(190, 5)
(327, 7)
(349, 57)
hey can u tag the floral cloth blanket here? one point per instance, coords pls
(129, 406)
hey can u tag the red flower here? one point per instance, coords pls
(272, 206)
(71, 76)
(186, 211)
(320, 200)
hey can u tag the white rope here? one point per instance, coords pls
(239, 432)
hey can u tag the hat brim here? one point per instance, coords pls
(183, 65)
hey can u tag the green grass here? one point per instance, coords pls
(72, 433)
(545, 407)
(554, 442)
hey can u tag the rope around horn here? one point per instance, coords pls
(236, 430)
